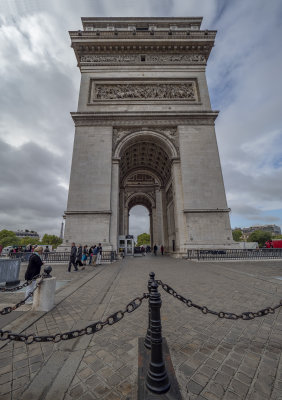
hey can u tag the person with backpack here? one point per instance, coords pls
(33, 269)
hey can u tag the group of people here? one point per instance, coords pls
(79, 256)
(156, 249)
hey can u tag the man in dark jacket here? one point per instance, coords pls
(73, 257)
(33, 269)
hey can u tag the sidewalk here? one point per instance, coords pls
(213, 358)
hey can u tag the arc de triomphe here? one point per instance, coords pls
(144, 135)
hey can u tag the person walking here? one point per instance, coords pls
(73, 257)
(155, 249)
(95, 251)
(162, 250)
(99, 254)
(84, 255)
(46, 251)
(79, 256)
(90, 253)
(33, 269)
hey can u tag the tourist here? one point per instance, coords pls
(79, 256)
(162, 250)
(73, 257)
(90, 253)
(84, 255)
(99, 254)
(95, 251)
(33, 269)
(155, 249)
(46, 251)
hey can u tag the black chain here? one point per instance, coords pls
(23, 285)
(222, 314)
(88, 330)
(7, 310)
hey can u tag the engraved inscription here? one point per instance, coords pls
(148, 59)
(161, 91)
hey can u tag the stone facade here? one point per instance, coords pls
(145, 135)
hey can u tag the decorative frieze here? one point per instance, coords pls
(108, 59)
(145, 91)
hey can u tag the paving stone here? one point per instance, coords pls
(77, 391)
(186, 370)
(239, 388)
(194, 387)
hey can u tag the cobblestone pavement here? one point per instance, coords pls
(213, 358)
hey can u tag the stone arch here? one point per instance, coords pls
(140, 198)
(140, 135)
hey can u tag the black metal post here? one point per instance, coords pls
(157, 379)
(147, 341)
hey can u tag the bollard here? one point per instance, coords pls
(157, 379)
(44, 296)
(147, 341)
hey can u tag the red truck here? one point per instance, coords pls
(274, 244)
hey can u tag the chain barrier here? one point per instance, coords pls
(88, 330)
(16, 288)
(246, 316)
(7, 310)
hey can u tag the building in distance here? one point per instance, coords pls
(273, 229)
(26, 233)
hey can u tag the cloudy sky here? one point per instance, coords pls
(40, 82)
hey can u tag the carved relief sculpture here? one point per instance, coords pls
(148, 91)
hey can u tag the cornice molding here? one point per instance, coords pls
(142, 118)
(208, 210)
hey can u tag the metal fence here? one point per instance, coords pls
(107, 256)
(234, 254)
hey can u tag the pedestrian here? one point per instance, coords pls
(79, 256)
(46, 251)
(90, 253)
(162, 250)
(84, 254)
(99, 254)
(95, 251)
(73, 257)
(33, 269)
(155, 249)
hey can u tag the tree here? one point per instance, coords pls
(237, 234)
(54, 240)
(259, 236)
(29, 240)
(8, 238)
(143, 238)
(277, 237)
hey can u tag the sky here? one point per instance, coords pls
(39, 83)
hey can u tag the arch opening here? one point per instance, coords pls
(144, 180)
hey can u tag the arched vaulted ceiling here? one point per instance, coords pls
(145, 155)
(140, 200)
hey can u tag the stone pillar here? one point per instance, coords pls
(164, 222)
(126, 220)
(121, 212)
(180, 227)
(44, 295)
(114, 204)
(151, 229)
(159, 217)
(155, 226)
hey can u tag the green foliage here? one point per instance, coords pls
(277, 237)
(259, 236)
(8, 238)
(54, 240)
(143, 238)
(29, 240)
(237, 234)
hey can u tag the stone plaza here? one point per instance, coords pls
(213, 358)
